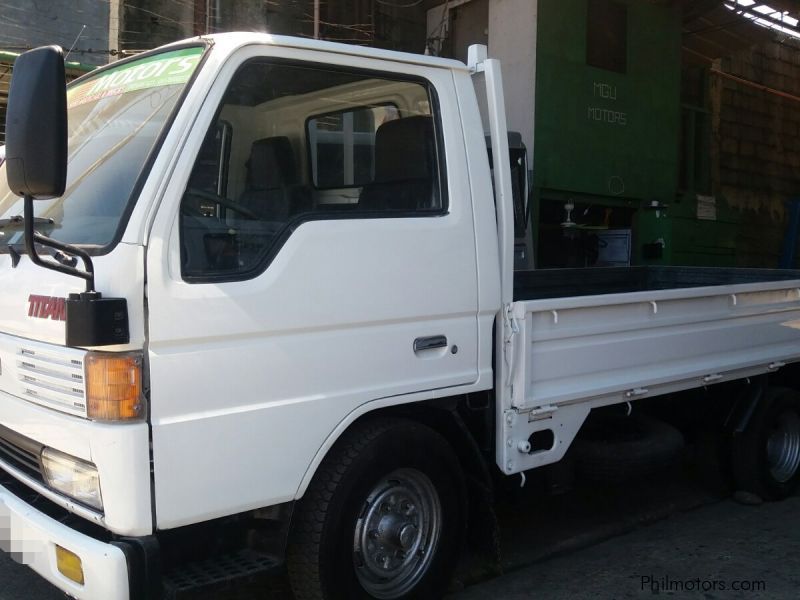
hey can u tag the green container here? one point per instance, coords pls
(609, 137)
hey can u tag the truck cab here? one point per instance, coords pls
(252, 200)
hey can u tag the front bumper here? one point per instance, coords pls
(30, 537)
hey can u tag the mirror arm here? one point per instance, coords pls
(32, 238)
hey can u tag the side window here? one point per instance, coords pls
(342, 145)
(293, 143)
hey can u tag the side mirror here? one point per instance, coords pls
(36, 124)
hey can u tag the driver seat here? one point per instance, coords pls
(271, 179)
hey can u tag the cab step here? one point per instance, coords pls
(219, 571)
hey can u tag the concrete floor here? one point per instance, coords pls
(704, 553)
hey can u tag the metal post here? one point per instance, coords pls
(316, 19)
(114, 27)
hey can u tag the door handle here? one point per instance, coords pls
(430, 343)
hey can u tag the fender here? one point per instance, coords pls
(372, 406)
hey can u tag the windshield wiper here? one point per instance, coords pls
(19, 220)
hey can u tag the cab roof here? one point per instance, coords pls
(231, 41)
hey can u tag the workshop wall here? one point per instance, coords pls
(757, 145)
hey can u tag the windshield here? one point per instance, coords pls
(114, 119)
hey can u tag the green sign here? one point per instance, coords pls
(167, 68)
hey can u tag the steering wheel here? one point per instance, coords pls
(224, 202)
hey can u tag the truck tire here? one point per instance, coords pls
(618, 448)
(382, 518)
(766, 456)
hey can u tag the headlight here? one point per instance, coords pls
(72, 477)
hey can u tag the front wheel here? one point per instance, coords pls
(383, 517)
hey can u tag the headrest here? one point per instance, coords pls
(404, 149)
(271, 164)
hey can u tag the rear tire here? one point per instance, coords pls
(382, 518)
(766, 456)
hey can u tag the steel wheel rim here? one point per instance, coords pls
(396, 533)
(783, 447)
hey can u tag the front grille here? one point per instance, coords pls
(52, 379)
(21, 453)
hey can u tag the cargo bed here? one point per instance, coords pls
(581, 338)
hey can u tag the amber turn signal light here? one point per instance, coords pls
(114, 386)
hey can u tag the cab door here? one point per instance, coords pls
(314, 252)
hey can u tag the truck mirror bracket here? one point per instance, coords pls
(32, 238)
(91, 320)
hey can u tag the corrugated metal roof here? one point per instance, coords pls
(716, 28)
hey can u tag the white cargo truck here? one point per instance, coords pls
(258, 308)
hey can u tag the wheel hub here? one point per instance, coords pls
(407, 535)
(396, 533)
(783, 447)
